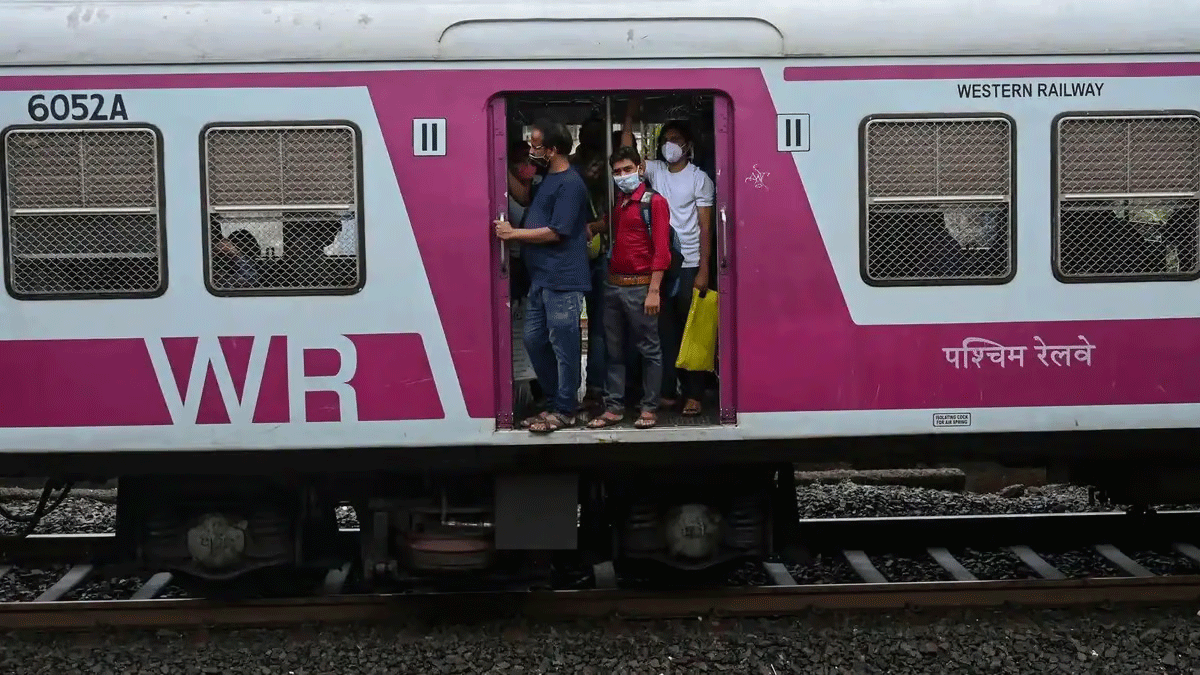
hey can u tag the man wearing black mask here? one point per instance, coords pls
(554, 247)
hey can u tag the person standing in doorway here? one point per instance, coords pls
(691, 194)
(554, 247)
(632, 296)
(590, 162)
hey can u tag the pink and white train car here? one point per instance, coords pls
(935, 219)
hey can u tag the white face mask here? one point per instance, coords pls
(628, 183)
(672, 152)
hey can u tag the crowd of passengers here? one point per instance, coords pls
(637, 288)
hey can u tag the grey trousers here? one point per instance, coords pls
(625, 306)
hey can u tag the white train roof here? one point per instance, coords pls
(132, 32)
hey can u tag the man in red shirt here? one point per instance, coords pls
(640, 254)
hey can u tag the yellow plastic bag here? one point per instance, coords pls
(698, 349)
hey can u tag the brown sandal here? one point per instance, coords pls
(691, 408)
(608, 419)
(530, 421)
(647, 421)
(551, 422)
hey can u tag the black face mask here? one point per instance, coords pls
(541, 165)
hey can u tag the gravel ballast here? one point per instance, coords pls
(851, 500)
(1126, 642)
(92, 514)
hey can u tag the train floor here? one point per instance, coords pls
(709, 416)
(709, 413)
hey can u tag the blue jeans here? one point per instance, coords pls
(552, 340)
(597, 354)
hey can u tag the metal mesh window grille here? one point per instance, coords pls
(283, 208)
(1127, 197)
(937, 200)
(82, 212)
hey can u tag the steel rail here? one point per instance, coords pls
(853, 538)
(771, 601)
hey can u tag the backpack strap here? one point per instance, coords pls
(672, 236)
(670, 276)
(647, 196)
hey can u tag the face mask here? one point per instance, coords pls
(672, 152)
(628, 183)
(539, 161)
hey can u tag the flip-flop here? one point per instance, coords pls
(608, 419)
(691, 408)
(647, 421)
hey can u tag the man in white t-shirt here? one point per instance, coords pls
(690, 194)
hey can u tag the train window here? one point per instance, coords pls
(83, 212)
(284, 213)
(1126, 197)
(937, 200)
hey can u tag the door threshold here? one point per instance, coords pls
(622, 434)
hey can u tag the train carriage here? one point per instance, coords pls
(941, 230)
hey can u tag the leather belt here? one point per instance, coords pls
(629, 279)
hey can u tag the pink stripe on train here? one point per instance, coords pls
(117, 381)
(990, 71)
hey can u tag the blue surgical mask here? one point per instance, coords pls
(627, 183)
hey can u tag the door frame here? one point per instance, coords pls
(724, 216)
(502, 375)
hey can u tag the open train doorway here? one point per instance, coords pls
(659, 125)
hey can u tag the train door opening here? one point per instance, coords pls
(599, 123)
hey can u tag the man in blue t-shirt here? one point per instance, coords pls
(554, 247)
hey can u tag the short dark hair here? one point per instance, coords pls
(681, 126)
(591, 133)
(555, 136)
(246, 243)
(518, 150)
(627, 152)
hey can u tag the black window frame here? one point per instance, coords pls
(864, 187)
(160, 194)
(206, 214)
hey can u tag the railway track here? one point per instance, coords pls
(1114, 538)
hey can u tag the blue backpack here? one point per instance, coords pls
(670, 281)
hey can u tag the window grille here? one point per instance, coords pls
(283, 209)
(938, 199)
(1127, 197)
(83, 212)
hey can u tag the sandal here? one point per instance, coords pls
(608, 419)
(530, 421)
(647, 421)
(551, 422)
(691, 408)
